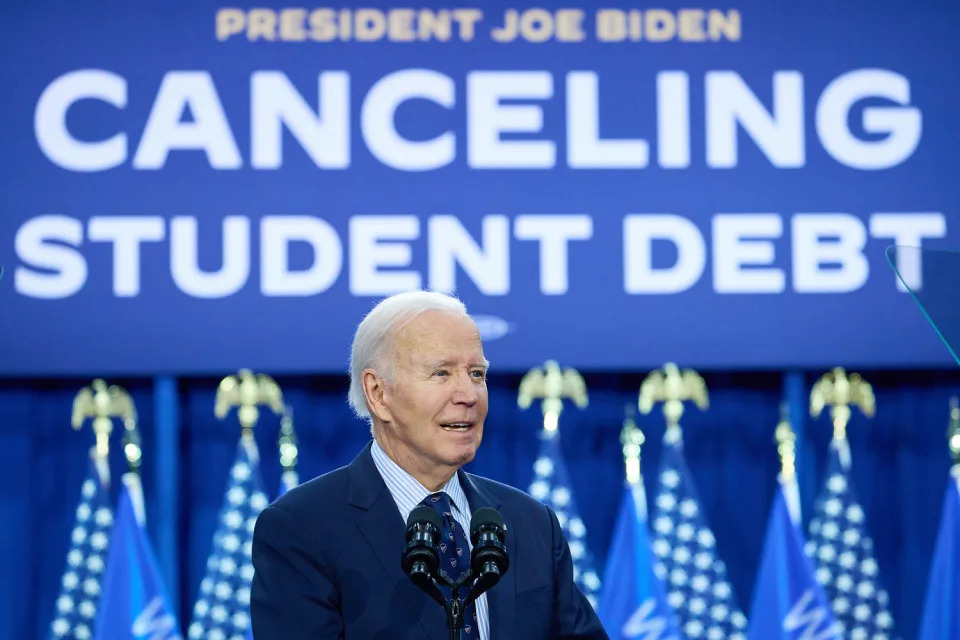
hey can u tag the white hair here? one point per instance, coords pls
(372, 341)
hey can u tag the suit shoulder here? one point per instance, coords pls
(510, 496)
(311, 496)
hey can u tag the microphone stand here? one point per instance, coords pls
(455, 607)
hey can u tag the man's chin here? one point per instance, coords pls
(463, 455)
(467, 459)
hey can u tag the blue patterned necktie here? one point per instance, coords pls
(454, 557)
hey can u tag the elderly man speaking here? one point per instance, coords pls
(327, 555)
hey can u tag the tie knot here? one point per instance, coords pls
(439, 502)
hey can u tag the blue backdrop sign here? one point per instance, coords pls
(193, 188)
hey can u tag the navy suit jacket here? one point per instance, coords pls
(327, 565)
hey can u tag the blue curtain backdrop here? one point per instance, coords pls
(900, 465)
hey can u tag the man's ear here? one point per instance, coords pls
(374, 390)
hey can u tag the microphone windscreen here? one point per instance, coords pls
(424, 513)
(485, 516)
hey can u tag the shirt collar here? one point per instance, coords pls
(407, 491)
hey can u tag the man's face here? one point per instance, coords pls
(437, 400)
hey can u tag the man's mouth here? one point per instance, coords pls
(456, 426)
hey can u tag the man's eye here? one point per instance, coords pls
(440, 373)
(480, 374)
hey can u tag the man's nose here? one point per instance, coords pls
(467, 392)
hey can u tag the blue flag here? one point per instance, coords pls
(686, 554)
(941, 611)
(223, 608)
(634, 603)
(551, 485)
(788, 602)
(80, 586)
(134, 604)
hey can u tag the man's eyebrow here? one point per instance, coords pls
(437, 364)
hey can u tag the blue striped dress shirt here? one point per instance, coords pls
(407, 492)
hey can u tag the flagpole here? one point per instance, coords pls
(166, 485)
(795, 395)
(289, 451)
(786, 448)
(632, 439)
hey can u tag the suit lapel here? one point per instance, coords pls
(502, 597)
(383, 528)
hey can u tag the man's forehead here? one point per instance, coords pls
(438, 332)
(439, 324)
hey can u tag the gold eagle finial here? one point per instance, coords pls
(102, 403)
(672, 387)
(552, 385)
(840, 392)
(246, 391)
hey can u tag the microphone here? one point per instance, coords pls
(420, 559)
(489, 559)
